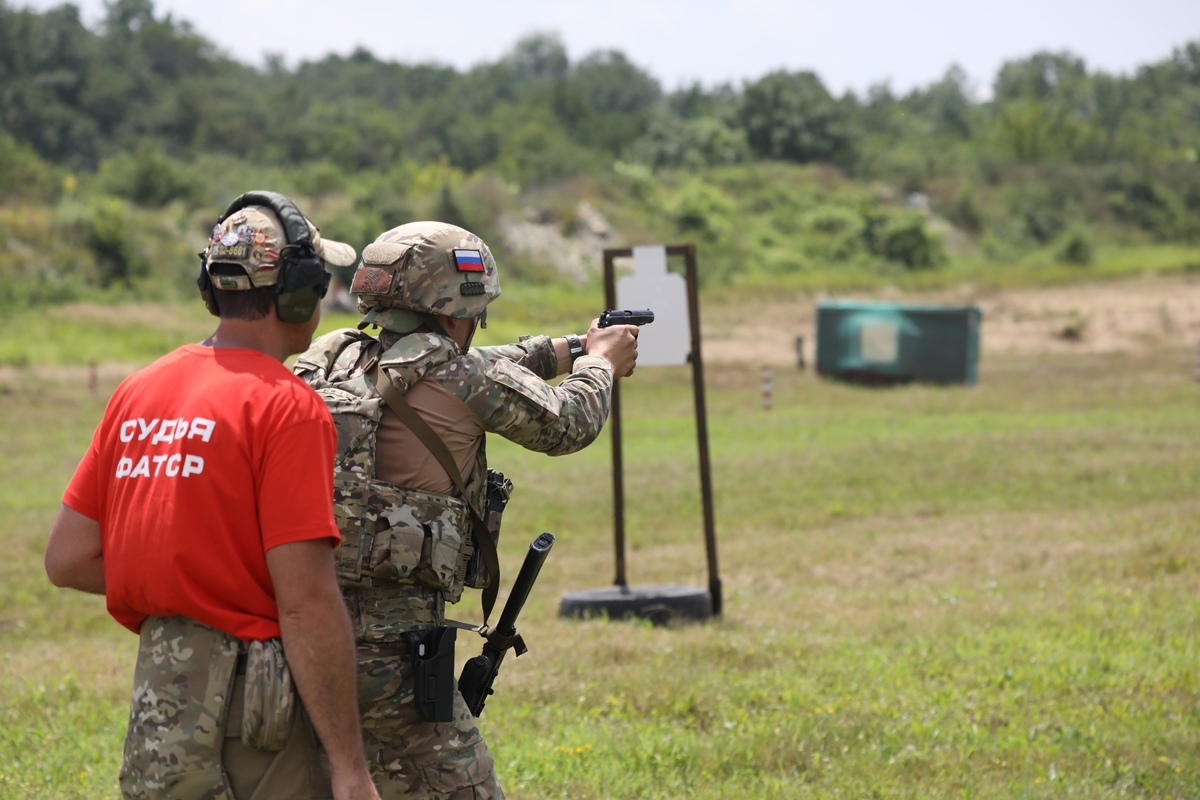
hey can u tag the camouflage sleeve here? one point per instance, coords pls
(514, 402)
(535, 354)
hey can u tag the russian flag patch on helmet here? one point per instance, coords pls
(468, 260)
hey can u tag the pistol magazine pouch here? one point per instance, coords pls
(397, 535)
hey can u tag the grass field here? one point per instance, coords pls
(988, 592)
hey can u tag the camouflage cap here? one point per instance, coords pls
(427, 268)
(253, 239)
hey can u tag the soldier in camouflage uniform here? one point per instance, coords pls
(409, 545)
(201, 511)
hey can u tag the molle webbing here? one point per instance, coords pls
(393, 537)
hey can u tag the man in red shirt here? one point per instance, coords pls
(202, 511)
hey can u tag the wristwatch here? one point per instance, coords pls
(574, 346)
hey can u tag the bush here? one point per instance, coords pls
(906, 240)
(22, 174)
(320, 178)
(109, 238)
(965, 212)
(690, 143)
(102, 224)
(702, 209)
(537, 152)
(1044, 208)
(147, 177)
(1075, 247)
(835, 233)
(1146, 203)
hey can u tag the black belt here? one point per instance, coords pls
(241, 662)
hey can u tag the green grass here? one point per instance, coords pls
(986, 592)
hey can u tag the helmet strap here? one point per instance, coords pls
(471, 335)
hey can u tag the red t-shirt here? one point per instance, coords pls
(205, 460)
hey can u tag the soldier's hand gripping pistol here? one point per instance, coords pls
(479, 673)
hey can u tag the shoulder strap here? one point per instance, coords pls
(483, 537)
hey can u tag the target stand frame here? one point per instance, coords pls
(658, 603)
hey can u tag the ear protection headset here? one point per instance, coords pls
(302, 280)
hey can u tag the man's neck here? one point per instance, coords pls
(460, 330)
(263, 335)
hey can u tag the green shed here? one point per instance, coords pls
(873, 342)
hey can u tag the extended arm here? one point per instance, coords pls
(548, 358)
(538, 354)
(319, 647)
(74, 558)
(519, 405)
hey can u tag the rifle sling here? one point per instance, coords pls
(398, 403)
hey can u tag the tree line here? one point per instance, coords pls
(145, 108)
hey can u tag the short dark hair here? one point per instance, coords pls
(249, 304)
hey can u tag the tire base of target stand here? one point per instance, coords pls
(659, 603)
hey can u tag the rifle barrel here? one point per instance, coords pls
(538, 550)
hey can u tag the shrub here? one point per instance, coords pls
(1044, 208)
(147, 177)
(1143, 201)
(1075, 247)
(690, 143)
(24, 175)
(965, 212)
(905, 239)
(836, 233)
(702, 209)
(102, 224)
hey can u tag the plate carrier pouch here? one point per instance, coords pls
(404, 552)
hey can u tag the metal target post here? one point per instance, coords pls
(657, 603)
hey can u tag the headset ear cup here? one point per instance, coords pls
(204, 283)
(296, 306)
(300, 289)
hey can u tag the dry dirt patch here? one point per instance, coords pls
(1126, 316)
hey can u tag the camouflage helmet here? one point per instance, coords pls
(424, 268)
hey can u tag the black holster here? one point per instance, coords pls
(434, 684)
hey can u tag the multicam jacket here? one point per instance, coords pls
(405, 551)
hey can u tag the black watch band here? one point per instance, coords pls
(574, 346)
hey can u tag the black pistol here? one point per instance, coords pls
(479, 673)
(626, 317)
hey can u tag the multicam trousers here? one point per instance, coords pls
(186, 719)
(409, 757)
